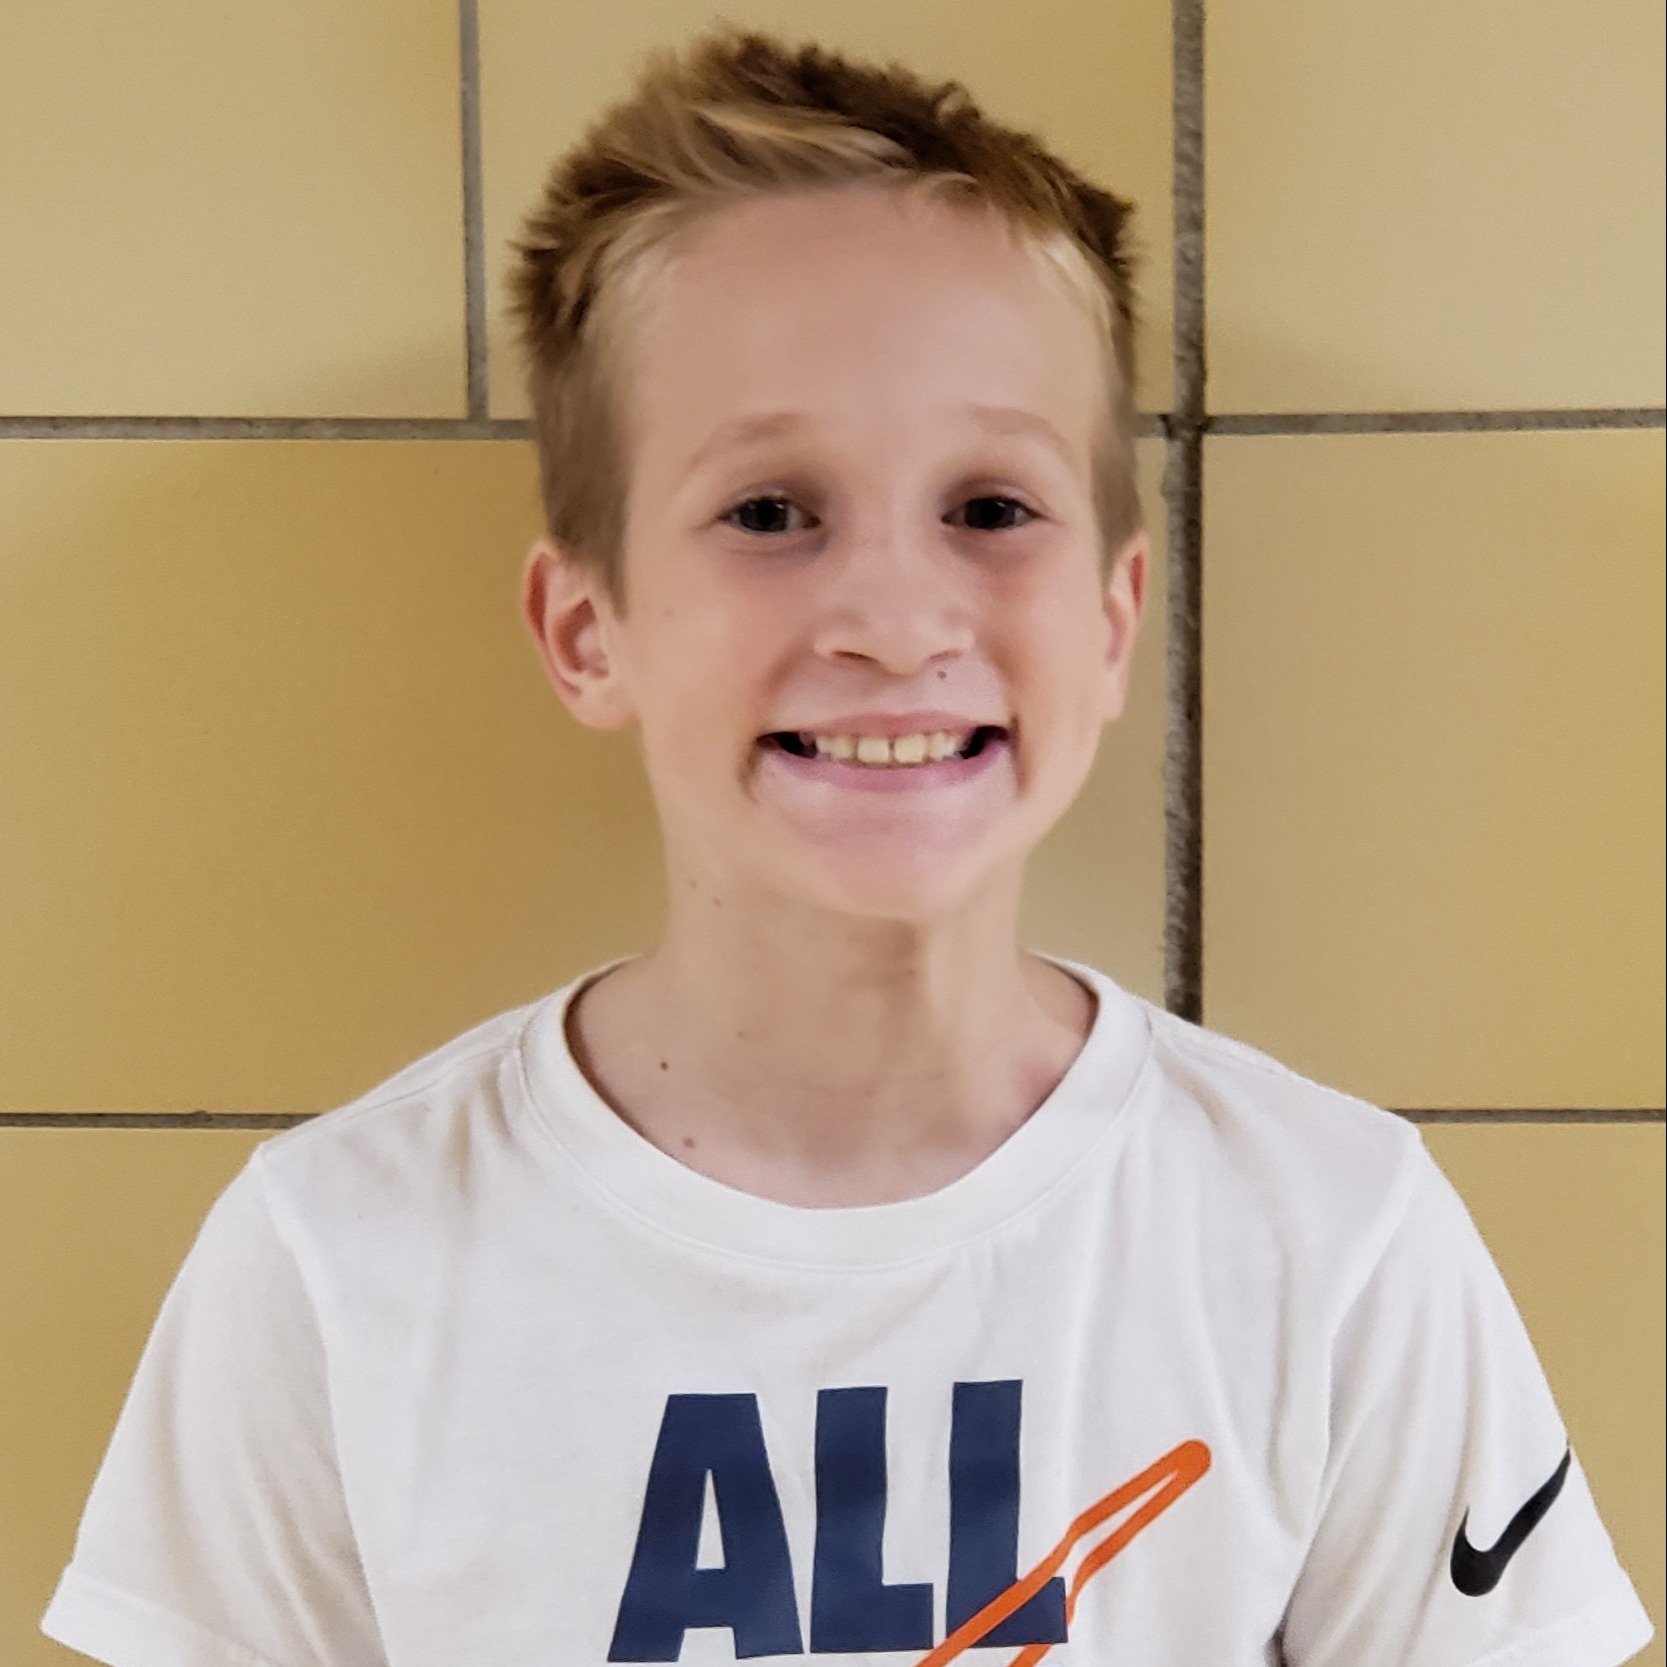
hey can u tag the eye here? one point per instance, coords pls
(1007, 504)
(750, 504)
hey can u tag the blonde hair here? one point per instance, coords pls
(734, 116)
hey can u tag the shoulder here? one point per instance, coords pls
(1266, 1100)
(1322, 1173)
(390, 1147)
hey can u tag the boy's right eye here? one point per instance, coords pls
(772, 515)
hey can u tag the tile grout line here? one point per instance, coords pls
(270, 1120)
(474, 214)
(279, 1120)
(1435, 422)
(1183, 932)
(263, 428)
(1527, 1114)
(1152, 425)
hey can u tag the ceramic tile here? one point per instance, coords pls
(290, 800)
(93, 1226)
(1433, 763)
(1419, 206)
(232, 210)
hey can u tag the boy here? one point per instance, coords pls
(838, 1279)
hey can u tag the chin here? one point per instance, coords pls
(913, 892)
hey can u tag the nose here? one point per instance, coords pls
(893, 596)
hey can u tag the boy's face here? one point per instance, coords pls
(912, 566)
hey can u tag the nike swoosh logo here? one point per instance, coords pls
(1476, 1573)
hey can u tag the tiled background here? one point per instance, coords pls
(288, 801)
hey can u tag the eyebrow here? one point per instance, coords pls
(772, 425)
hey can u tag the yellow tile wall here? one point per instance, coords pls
(1415, 205)
(231, 210)
(288, 801)
(93, 1226)
(293, 802)
(1433, 750)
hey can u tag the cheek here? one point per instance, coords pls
(1068, 645)
(1067, 684)
(701, 672)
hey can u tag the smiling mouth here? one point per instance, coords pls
(801, 745)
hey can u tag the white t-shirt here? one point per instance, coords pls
(1206, 1366)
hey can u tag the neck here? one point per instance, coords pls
(827, 1059)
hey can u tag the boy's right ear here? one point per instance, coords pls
(572, 626)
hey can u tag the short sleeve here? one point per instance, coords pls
(216, 1533)
(1455, 1527)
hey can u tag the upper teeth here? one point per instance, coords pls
(897, 749)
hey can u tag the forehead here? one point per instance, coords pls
(859, 308)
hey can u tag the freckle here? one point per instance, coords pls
(689, 1142)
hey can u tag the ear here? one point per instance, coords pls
(573, 628)
(1124, 600)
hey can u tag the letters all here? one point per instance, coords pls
(716, 1443)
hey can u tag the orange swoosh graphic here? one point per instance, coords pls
(1165, 1481)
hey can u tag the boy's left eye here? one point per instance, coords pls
(1007, 503)
(774, 498)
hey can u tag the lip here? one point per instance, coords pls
(836, 774)
(893, 724)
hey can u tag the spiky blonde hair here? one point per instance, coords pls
(735, 115)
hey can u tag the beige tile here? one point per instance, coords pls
(295, 802)
(1430, 206)
(1574, 1217)
(1092, 81)
(288, 798)
(232, 210)
(93, 1227)
(1094, 890)
(1433, 763)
